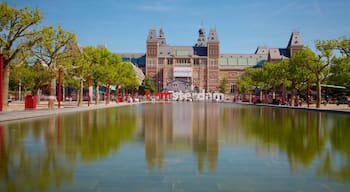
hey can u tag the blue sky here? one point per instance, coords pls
(123, 25)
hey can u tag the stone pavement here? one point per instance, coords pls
(16, 110)
(343, 108)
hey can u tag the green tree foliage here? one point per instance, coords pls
(147, 83)
(340, 68)
(321, 67)
(274, 73)
(340, 72)
(293, 73)
(105, 66)
(31, 77)
(125, 75)
(245, 83)
(16, 37)
(299, 69)
(76, 68)
(222, 86)
(49, 49)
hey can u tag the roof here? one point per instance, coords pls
(213, 36)
(132, 55)
(170, 51)
(295, 40)
(238, 60)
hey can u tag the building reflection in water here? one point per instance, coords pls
(181, 128)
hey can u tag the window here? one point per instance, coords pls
(232, 88)
(160, 61)
(196, 61)
(213, 62)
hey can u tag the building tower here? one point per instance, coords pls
(213, 61)
(295, 44)
(201, 42)
(152, 46)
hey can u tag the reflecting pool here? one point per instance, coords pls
(178, 147)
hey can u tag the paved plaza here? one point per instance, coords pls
(16, 110)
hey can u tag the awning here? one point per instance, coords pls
(333, 86)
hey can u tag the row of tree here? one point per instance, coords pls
(332, 66)
(35, 55)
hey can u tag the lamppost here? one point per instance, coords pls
(89, 97)
(282, 93)
(1, 76)
(107, 92)
(19, 90)
(59, 87)
(308, 93)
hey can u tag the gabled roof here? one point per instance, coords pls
(295, 40)
(152, 35)
(278, 53)
(213, 36)
(262, 50)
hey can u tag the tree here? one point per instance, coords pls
(125, 75)
(31, 77)
(222, 86)
(16, 36)
(76, 67)
(275, 74)
(320, 67)
(298, 70)
(103, 66)
(340, 72)
(340, 68)
(49, 48)
(148, 84)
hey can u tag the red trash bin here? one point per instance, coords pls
(30, 102)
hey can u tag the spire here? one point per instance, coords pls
(213, 36)
(161, 33)
(201, 42)
(161, 37)
(152, 35)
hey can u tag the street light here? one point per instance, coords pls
(1, 76)
(19, 90)
(59, 87)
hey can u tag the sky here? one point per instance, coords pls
(242, 25)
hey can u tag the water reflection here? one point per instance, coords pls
(39, 154)
(185, 128)
(307, 138)
(211, 144)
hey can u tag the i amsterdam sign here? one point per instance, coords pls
(182, 72)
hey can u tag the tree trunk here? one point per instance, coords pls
(292, 96)
(97, 94)
(5, 87)
(63, 93)
(52, 93)
(80, 100)
(37, 94)
(318, 92)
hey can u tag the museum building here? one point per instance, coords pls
(201, 67)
